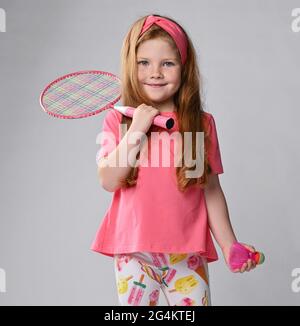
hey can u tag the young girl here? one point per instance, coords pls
(157, 227)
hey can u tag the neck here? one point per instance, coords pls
(166, 106)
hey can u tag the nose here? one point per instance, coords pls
(156, 72)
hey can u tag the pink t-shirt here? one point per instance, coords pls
(153, 215)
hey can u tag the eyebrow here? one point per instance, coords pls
(174, 59)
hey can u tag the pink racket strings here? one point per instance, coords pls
(81, 94)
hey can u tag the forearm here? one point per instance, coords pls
(109, 170)
(218, 217)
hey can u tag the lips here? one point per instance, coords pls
(156, 85)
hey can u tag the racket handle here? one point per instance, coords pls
(159, 120)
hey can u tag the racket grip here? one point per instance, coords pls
(159, 120)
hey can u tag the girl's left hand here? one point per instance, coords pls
(249, 265)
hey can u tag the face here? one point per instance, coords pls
(159, 71)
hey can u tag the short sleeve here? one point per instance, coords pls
(108, 138)
(214, 154)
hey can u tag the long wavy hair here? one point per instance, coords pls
(187, 100)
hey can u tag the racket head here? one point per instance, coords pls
(81, 94)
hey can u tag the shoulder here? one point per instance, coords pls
(206, 115)
(208, 118)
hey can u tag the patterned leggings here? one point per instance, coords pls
(183, 279)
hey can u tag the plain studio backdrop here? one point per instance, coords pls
(51, 200)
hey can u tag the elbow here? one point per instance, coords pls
(107, 185)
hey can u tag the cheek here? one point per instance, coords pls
(176, 81)
(141, 76)
(175, 77)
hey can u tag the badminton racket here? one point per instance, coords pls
(85, 93)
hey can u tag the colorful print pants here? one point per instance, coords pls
(183, 279)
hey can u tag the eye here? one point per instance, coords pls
(169, 63)
(143, 62)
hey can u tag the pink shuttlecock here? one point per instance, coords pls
(239, 255)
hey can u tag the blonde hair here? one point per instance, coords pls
(187, 99)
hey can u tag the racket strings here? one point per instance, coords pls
(81, 94)
(63, 88)
(73, 90)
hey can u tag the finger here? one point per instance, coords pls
(242, 270)
(251, 248)
(249, 265)
(253, 264)
(153, 110)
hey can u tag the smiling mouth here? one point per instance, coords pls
(156, 85)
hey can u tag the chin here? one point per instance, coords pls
(156, 98)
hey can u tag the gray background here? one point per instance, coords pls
(51, 200)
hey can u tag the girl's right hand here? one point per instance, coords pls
(143, 116)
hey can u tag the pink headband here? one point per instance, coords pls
(173, 29)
